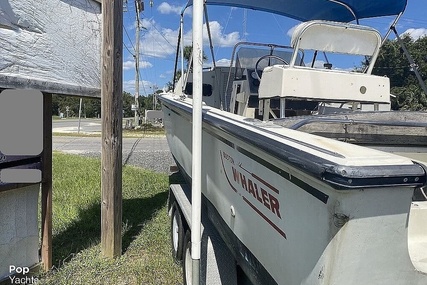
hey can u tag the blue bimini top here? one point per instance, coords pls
(331, 10)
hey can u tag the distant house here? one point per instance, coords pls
(153, 116)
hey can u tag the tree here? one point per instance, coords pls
(392, 63)
(91, 107)
(170, 84)
(409, 98)
(128, 100)
(188, 50)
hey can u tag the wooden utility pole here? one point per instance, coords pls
(46, 186)
(138, 9)
(111, 101)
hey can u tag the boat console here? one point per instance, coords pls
(327, 85)
(251, 60)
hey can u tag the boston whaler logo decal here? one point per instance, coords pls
(262, 195)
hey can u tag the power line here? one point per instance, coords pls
(128, 49)
(225, 29)
(143, 85)
(129, 39)
(411, 20)
(154, 26)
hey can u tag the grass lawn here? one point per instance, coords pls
(77, 257)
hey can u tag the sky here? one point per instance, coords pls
(160, 26)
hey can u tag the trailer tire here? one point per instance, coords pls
(187, 260)
(177, 233)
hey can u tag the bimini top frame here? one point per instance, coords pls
(331, 10)
(307, 10)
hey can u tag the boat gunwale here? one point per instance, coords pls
(340, 177)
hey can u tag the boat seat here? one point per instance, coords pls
(323, 85)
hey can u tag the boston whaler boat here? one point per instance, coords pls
(305, 173)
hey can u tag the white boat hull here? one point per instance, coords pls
(288, 224)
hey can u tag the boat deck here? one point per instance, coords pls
(373, 128)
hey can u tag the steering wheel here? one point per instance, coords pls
(264, 57)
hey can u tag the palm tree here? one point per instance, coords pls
(188, 51)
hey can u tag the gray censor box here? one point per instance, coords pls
(21, 135)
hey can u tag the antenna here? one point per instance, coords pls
(245, 18)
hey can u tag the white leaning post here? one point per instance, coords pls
(197, 139)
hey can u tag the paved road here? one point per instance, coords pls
(71, 125)
(150, 152)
